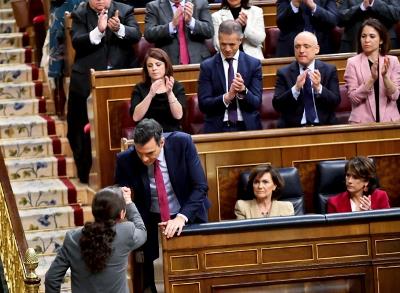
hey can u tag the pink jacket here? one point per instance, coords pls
(363, 100)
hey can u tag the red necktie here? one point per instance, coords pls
(161, 192)
(183, 49)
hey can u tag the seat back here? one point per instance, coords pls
(330, 181)
(194, 119)
(292, 191)
(140, 49)
(343, 110)
(271, 40)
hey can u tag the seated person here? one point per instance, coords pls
(372, 77)
(362, 193)
(353, 13)
(250, 17)
(266, 184)
(98, 252)
(159, 96)
(306, 90)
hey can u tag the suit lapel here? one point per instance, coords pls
(220, 70)
(366, 75)
(166, 10)
(382, 106)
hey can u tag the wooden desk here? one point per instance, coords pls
(325, 254)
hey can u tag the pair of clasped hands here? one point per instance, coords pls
(112, 23)
(186, 11)
(236, 88)
(315, 77)
(169, 227)
(374, 68)
(365, 203)
(162, 85)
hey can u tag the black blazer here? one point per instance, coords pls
(290, 24)
(291, 109)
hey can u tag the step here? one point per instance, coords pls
(13, 40)
(22, 107)
(15, 56)
(35, 168)
(35, 147)
(50, 192)
(15, 73)
(27, 126)
(6, 13)
(23, 90)
(8, 26)
(46, 242)
(39, 219)
(5, 4)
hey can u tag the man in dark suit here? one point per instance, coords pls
(230, 85)
(307, 90)
(295, 16)
(102, 35)
(183, 184)
(162, 28)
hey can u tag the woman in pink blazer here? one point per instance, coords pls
(361, 194)
(373, 78)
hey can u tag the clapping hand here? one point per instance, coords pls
(365, 203)
(242, 19)
(156, 86)
(177, 16)
(374, 70)
(114, 23)
(315, 77)
(301, 79)
(385, 67)
(169, 83)
(188, 11)
(102, 21)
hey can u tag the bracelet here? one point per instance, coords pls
(172, 101)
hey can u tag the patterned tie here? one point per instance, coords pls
(161, 192)
(183, 49)
(232, 109)
(308, 100)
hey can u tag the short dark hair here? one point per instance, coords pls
(147, 129)
(243, 3)
(229, 27)
(160, 55)
(259, 171)
(363, 168)
(383, 35)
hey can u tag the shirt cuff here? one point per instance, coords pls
(183, 216)
(191, 24)
(294, 8)
(171, 29)
(295, 92)
(121, 32)
(95, 36)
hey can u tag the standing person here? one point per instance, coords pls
(180, 28)
(316, 16)
(372, 77)
(159, 96)
(98, 252)
(352, 13)
(362, 193)
(265, 185)
(250, 17)
(230, 85)
(168, 182)
(307, 90)
(103, 32)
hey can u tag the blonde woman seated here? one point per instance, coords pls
(266, 184)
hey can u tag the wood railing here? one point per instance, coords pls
(18, 262)
(353, 252)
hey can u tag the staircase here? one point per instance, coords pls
(36, 150)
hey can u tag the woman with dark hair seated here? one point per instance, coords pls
(265, 184)
(250, 17)
(98, 252)
(362, 193)
(159, 96)
(373, 77)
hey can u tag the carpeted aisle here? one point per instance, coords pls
(37, 154)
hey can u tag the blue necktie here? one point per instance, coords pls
(232, 109)
(306, 12)
(308, 100)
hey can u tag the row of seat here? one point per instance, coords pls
(330, 181)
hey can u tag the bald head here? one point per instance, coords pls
(305, 48)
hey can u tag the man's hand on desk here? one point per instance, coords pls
(172, 226)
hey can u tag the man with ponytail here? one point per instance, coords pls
(98, 252)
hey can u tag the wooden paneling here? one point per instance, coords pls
(324, 257)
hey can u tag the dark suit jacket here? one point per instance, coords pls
(351, 17)
(158, 16)
(291, 109)
(185, 172)
(290, 24)
(212, 86)
(341, 203)
(111, 51)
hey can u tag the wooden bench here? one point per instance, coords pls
(356, 252)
